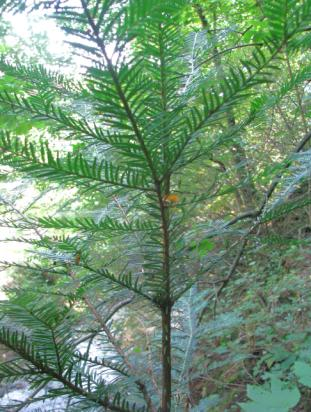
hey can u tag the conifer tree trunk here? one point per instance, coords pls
(166, 304)
(166, 359)
(166, 314)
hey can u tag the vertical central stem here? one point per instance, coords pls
(166, 360)
(166, 302)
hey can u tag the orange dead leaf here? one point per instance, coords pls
(77, 259)
(171, 198)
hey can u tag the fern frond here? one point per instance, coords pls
(125, 281)
(237, 84)
(41, 162)
(88, 224)
(277, 13)
(38, 76)
(42, 108)
(47, 347)
(16, 370)
(298, 172)
(74, 382)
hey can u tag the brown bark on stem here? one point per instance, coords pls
(166, 360)
(165, 301)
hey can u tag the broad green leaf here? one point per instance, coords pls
(205, 246)
(280, 398)
(303, 372)
(206, 404)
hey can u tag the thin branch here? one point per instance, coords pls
(219, 53)
(256, 213)
(120, 351)
(298, 96)
(30, 399)
(232, 270)
(113, 311)
(44, 368)
(68, 172)
(151, 368)
(252, 214)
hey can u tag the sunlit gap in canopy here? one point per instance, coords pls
(25, 29)
(20, 38)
